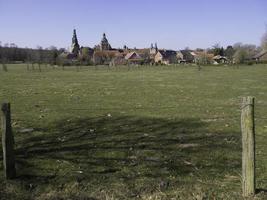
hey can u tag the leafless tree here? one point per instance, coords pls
(244, 52)
(264, 41)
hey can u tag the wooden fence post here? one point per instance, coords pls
(4, 67)
(248, 146)
(7, 142)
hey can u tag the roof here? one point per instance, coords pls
(218, 57)
(110, 53)
(142, 51)
(68, 55)
(260, 54)
(167, 53)
(120, 54)
(187, 55)
(132, 55)
(193, 53)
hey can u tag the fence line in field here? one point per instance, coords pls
(46, 109)
(47, 68)
(249, 137)
(71, 106)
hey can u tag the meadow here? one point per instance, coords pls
(162, 132)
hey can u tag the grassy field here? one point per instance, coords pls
(145, 133)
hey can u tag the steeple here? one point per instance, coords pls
(104, 45)
(75, 47)
(153, 49)
(74, 37)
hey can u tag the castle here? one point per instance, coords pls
(75, 47)
(104, 54)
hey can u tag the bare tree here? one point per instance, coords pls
(229, 53)
(39, 57)
(244, 52)
(264, 41)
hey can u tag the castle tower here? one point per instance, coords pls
(75, 47)
(154, 49)
(104, 45)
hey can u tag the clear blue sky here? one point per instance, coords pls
(174, 24)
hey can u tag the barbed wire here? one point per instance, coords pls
(124, 110)
(136, 106)
(41, 102)
(79, 101)
(73, 90)
(237, 103)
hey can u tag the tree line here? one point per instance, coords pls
(13, 54)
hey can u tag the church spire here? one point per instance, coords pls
(104, 45)
(75, 47)
(74, 37)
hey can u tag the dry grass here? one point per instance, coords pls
(147, 133)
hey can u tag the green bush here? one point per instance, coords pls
(250, 62)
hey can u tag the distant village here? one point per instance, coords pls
(104, 54)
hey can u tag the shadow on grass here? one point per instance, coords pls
(264, 191)
(132, 152)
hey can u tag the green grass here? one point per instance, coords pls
(145, 133)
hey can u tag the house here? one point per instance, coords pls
(180, 57)
(134, 58)
(86, 53)
(219, 59)
(190, 56)
(166, 57)
(69, 56)
(66, 59)
(202, 57)
(145, 55)
(260, 57)
(119, 59)
(104, 57)
(187, 56)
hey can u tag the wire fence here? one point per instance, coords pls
(207, 113)
(71, 99)
(214, 114)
